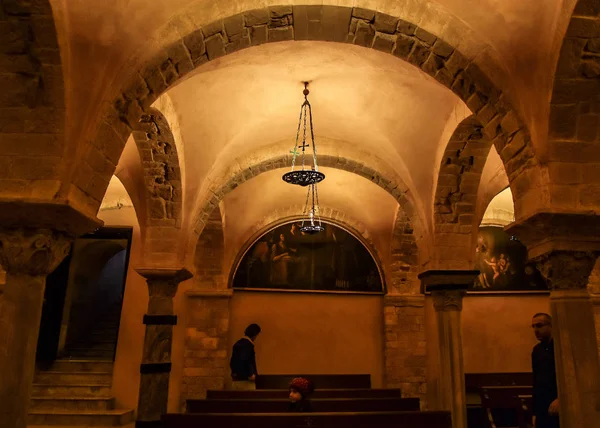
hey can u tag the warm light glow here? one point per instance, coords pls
(116, 196)
(501, 211)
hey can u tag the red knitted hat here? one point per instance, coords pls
(302, 385)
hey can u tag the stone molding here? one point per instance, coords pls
(208, 294)
(35, 252)
(403, 301)
(46, 215)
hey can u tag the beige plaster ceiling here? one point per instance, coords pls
(235, 106)
(255, 200)
(103, 41)
(500, 211)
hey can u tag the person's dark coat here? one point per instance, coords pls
(302, 406)
(243, 360)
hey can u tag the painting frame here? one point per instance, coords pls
(524, 264)
(271, 227)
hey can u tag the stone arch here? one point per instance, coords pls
(162, 179)
(405, 261)
(388, 181)
(209, 261)
(448, 65)
(284, 215)
(456, 193)
(32, 102)
(575, 112)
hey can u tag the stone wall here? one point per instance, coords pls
(405, 354)
(205, 363)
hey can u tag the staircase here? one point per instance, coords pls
(100, 341)
(76, 393)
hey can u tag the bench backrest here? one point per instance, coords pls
(429, 419)
(318, 405)
(320, 381)
(319, 393)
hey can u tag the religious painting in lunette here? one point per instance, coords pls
(286, 259)
(503, 264)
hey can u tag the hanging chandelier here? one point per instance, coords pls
(307, 174)
(311, 221)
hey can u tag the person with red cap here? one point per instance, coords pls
(300, 391)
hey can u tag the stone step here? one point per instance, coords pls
(74, 377)
(73, 390)
(98, 418)
(72, 403)
(93, 346)
(99, 354)
(79, 365)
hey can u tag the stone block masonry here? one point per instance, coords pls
(404, 345)
(205, 364)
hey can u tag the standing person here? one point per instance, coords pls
(545, 391)
(243, 360)
(300, 391)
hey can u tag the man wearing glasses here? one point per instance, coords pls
(545, 391)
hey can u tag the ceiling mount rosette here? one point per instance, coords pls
(307, 174)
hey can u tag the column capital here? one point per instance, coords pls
(566, 270)
(163, 277)
(543, 233)
(35, 252)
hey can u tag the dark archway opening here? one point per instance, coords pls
(84, 298)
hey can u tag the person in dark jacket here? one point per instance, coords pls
(545, 391)
(243, 360)
(300, 391)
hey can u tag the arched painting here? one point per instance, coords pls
(503, 264)
(286, 259)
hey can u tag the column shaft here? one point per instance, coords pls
(156, 358)
(28, 257)
(576, 353)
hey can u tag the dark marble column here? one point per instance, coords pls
(156, 359)
(28, 256)
(446, 377)
(566, 247)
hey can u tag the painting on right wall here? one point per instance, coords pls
(502, 263)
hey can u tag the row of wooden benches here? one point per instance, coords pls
(348, 407)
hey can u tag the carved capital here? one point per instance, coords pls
(567, 269)
(163, 282)
(33, 252)
(448, 300)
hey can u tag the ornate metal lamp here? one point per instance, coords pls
(308, 174)
(311, 223)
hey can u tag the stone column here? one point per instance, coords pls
(156, 359)
(405, 353)
(206, 342)
(566, 247)
(447, 289)
(28, 256)
(574, 333)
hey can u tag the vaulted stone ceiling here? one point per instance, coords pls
(242, 109)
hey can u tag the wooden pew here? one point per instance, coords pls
(433, 419)
(319, 393)
(320, 381)
(505, 406)
(318, 405)
(475, 381)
